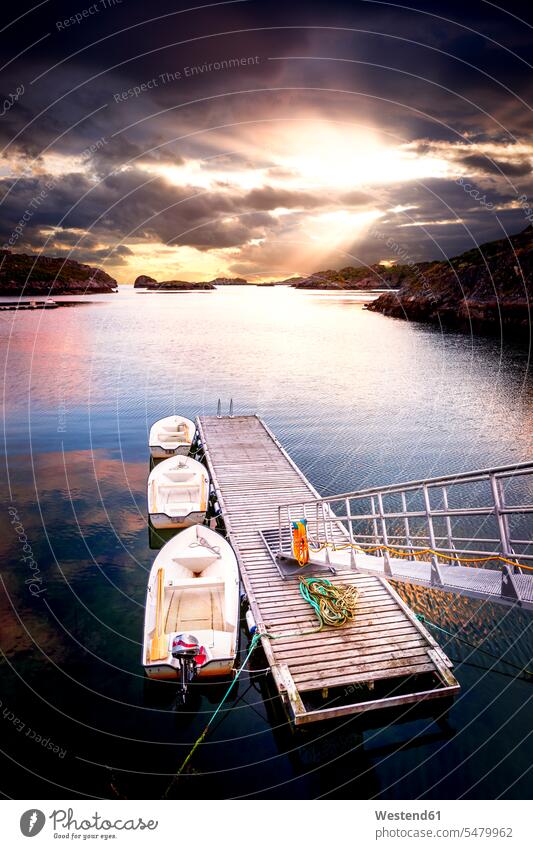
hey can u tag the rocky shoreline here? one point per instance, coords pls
(486, 289)
(482, 290)
(30, 274)
(361, 278)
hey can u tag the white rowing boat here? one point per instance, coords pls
(192, 608)
(171, 435)
(178, 491)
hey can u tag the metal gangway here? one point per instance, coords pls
(469, 534)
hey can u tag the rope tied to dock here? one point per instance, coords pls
(332, 604)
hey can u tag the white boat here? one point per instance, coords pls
(171, 435)
(191, 621)
(178, 491)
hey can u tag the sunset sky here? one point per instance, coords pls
(263, 139)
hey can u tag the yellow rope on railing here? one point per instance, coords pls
(398, 553)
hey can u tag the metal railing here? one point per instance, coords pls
(483, 514)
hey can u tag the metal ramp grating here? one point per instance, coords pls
(288, 568)
(462, 580)
(470, 534)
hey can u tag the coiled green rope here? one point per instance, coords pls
(333, 605)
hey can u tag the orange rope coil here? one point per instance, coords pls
(300, 544)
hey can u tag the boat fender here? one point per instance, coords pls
(250, 622)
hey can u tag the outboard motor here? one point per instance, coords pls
(185, 647)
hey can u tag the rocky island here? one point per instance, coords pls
(145, 282)
(31, 274)
(229, 281)
(172, 286)
(484, 289)
(360, 278)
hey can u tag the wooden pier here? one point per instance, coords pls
(385, 658)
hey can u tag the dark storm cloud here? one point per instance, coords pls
(441, 199)
(270, 197)
(419, 232)
(519, 168)
(131, 205)
(274, 198)
(117, 255)
(412, 44)
(417, 77)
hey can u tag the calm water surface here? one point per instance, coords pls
(357, 399)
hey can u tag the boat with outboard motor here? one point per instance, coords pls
(192, 608)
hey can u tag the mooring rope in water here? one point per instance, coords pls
(523, 670)
(255, 640)
(333, 605)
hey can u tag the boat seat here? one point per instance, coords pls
(172, 436)
(181, 507)
(182, 489)
(171, 486)
(178, 429)
(198, 562)
(186, 583)
(179, 477)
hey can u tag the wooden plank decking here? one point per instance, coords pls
(336, 671)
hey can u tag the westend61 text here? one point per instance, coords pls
(408, 815)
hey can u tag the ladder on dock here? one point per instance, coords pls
(468, 534)
(384, 658)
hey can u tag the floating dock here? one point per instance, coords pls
(385, 658)
(28, 305)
